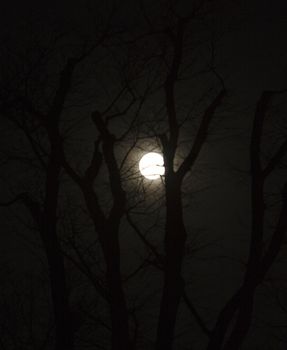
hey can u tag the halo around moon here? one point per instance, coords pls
(151, 166)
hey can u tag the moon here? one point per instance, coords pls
(151, 166)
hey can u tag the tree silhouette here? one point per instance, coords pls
(260, 260)
(89, 103)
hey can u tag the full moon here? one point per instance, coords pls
(151, 166)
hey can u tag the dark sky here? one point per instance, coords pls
(257, 50)
(256, 60)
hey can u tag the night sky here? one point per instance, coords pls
(240, 45)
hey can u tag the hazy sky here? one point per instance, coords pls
(255, 60)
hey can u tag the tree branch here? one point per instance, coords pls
(201, 135)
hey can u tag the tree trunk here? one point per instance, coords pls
(118, 306)
(108, 231)
(175, 238)
(223, 321)
(243, 320)
(63, 325)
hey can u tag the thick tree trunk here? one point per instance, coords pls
(118, 306)
(223, 322)
(175, 238)
(108, 231)
(243, 320)
(63, 326)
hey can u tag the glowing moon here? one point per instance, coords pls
(151, 166)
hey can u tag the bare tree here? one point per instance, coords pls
(20, 105)
(142, 105)
(260, 260)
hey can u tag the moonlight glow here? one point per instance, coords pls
(151, 166)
